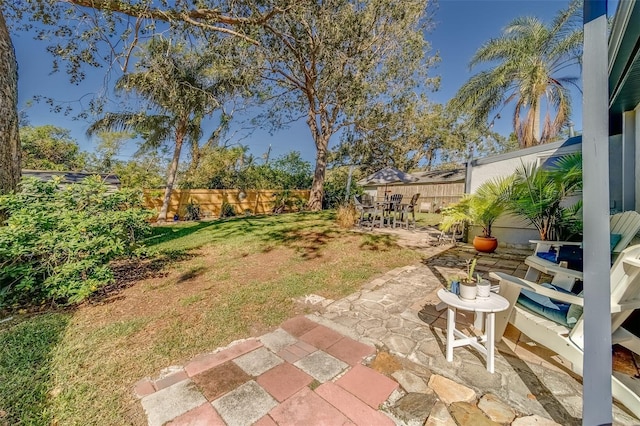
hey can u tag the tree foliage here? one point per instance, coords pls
(50, 148)
(329, 62)
(58, 241)
(179, 88)
(526, 64)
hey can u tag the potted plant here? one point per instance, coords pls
(470, 286)
(481, 209)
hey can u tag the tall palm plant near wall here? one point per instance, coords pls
(542, 196)
(526, 63)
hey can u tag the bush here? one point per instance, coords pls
(58, 241)
(227, 210)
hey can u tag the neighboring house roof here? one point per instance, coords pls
(71, 177)
(440, 176)
(561, 147)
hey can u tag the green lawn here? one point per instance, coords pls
(208, 284)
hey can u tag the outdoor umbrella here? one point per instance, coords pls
(386, 176)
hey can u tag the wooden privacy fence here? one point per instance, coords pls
(211, 200)
(433, 196)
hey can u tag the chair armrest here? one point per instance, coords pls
(557, 243)
(551, 268)
(528, 285)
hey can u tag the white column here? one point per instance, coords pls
(597, 399)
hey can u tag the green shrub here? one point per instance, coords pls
(58, 240)
(227, 210)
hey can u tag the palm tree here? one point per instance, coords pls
(181, 89)
(528, 58)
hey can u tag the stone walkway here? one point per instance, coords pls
(375, 357)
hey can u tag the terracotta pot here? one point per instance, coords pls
(485, 244)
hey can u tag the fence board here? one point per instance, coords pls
(210, 200)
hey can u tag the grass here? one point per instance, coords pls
(216, 282)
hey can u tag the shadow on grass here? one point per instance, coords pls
(378, 242)
(26, 352)
(128, 272)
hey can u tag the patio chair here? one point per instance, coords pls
(369, 214)
(392, 209)
(547, 255)
(409, 209)
(553, 318)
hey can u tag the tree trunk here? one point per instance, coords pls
(321, 138)
(10, 161)
(536, 123)
(317, 187)
(173, 170)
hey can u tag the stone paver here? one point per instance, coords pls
(450, 391)
(171, 402)
(244, 405)
(356, 410)
(257, 362)
(278, 340)
(534, 420)
(321, 366)
(496, 409)
(298, 326)
(321, 337)
(307, 408)
(368, 385)
(219, 380)
(206, 361)
(298, 350)
(440, 416)
(350, 351)
(410, 382)
(204, 415)
(466, 414)
(284, 380)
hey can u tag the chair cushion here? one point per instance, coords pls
(614, 239)
(572, 255)
(551, 309)
(548, 255)
(575, 312)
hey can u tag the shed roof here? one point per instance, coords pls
(440, 176)
(71, 177)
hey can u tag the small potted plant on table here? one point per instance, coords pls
(469, 286)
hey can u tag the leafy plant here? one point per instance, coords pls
(227, 210)
(481, 208)
(58, 240)
(192, 211)
(540, 195)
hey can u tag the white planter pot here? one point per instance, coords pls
(484, 289)
(468, 291)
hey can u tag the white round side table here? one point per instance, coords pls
(489, 306)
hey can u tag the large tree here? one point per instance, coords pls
(331, 61)
(98, 33)
(526, 66)
(178, 89)
(9, 139)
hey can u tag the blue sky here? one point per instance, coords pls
(461, 26)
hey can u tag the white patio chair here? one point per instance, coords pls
(568, 341)
(626, 225)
